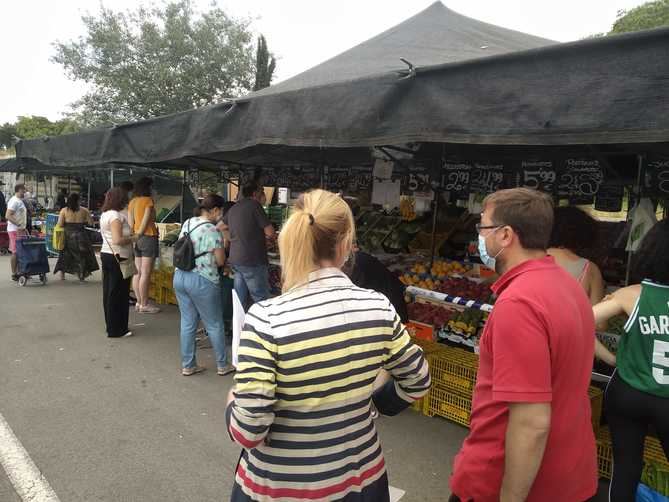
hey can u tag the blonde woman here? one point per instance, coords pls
(308, 360)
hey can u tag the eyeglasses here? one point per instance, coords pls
(480, 227)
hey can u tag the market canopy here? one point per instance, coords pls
(470, 83)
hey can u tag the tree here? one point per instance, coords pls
(7, 133)
(649, 15)
(150, 62)
(29, 127)
(265, 65)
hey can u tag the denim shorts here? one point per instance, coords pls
(147, 247)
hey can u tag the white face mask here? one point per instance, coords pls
(488, 261)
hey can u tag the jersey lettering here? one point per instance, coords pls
(654, 325)
(660, 353)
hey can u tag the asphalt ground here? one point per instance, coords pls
(114, 420)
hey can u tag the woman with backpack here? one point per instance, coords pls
(198, 254)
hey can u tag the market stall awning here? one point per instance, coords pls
(520, 90)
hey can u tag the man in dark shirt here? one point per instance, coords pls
(246, 226)
(3, 203)
(61, 199)
(368, 272)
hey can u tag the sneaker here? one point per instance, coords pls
(192, 371)
(129, 333)
(226, 370)
(148, 309)
(15, 277)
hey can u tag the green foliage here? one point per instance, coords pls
(649, 15)
(265, 65)
(7, 133)
(151, 62)
(29, 127)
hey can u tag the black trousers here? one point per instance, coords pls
(630, 412)
(115, 294)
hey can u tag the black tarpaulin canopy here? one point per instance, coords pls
(472, 83)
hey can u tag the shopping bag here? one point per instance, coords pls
(58, 239)
(238, 315)
(642, 218)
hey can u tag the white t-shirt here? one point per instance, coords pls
(20, 213)
(105, 229)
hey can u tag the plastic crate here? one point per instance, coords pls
(170, 296)
(449, 405)
(429, 347)
(455, 370)
(596, 402)
(653, 453)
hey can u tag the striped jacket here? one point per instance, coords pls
(307, 364)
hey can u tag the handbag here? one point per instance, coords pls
(58, 239)
(127, 265)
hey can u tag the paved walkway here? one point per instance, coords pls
(113, 420)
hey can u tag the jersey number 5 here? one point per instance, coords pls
(661, 359)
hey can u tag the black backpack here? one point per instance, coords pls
(184, 251)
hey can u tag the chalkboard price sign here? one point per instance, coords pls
(361, 179)
(580, 179)
(486, 177)
(610, 197)
(537, 174)
(338, 178)
(456, 178)
(659, 174)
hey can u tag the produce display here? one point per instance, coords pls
(466, 323)
(430, 313)
(408, 208)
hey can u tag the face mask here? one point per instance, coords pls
(488, 261)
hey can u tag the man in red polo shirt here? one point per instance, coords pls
(531, 436)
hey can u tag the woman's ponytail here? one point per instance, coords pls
(320, 223)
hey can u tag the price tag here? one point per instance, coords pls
(338, 178)
(486, 177)
(580, 179)
(361, 179)
(658, 168)
(455, 178)
(537, 174)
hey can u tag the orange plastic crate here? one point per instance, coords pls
(448, 405)
(454, 370)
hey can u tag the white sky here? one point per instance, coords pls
(302, 33)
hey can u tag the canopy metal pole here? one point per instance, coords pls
(637, 191)
(111, 179)
(183, 198)
(36, 187)
(89, 193)
(434, 226)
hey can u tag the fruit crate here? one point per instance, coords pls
(449, 405)
(170, 296)
(596, 403)
(653, 454)
(429, 347)
(454, 370)
(157, 294)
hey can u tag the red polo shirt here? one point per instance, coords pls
(537, 347)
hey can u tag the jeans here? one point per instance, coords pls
(199, 298)
(253, 281)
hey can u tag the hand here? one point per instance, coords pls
(134, 238)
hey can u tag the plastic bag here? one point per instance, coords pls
(58, 239)
(642, 218)
(646, 494)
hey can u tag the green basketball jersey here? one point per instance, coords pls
(643, 352)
